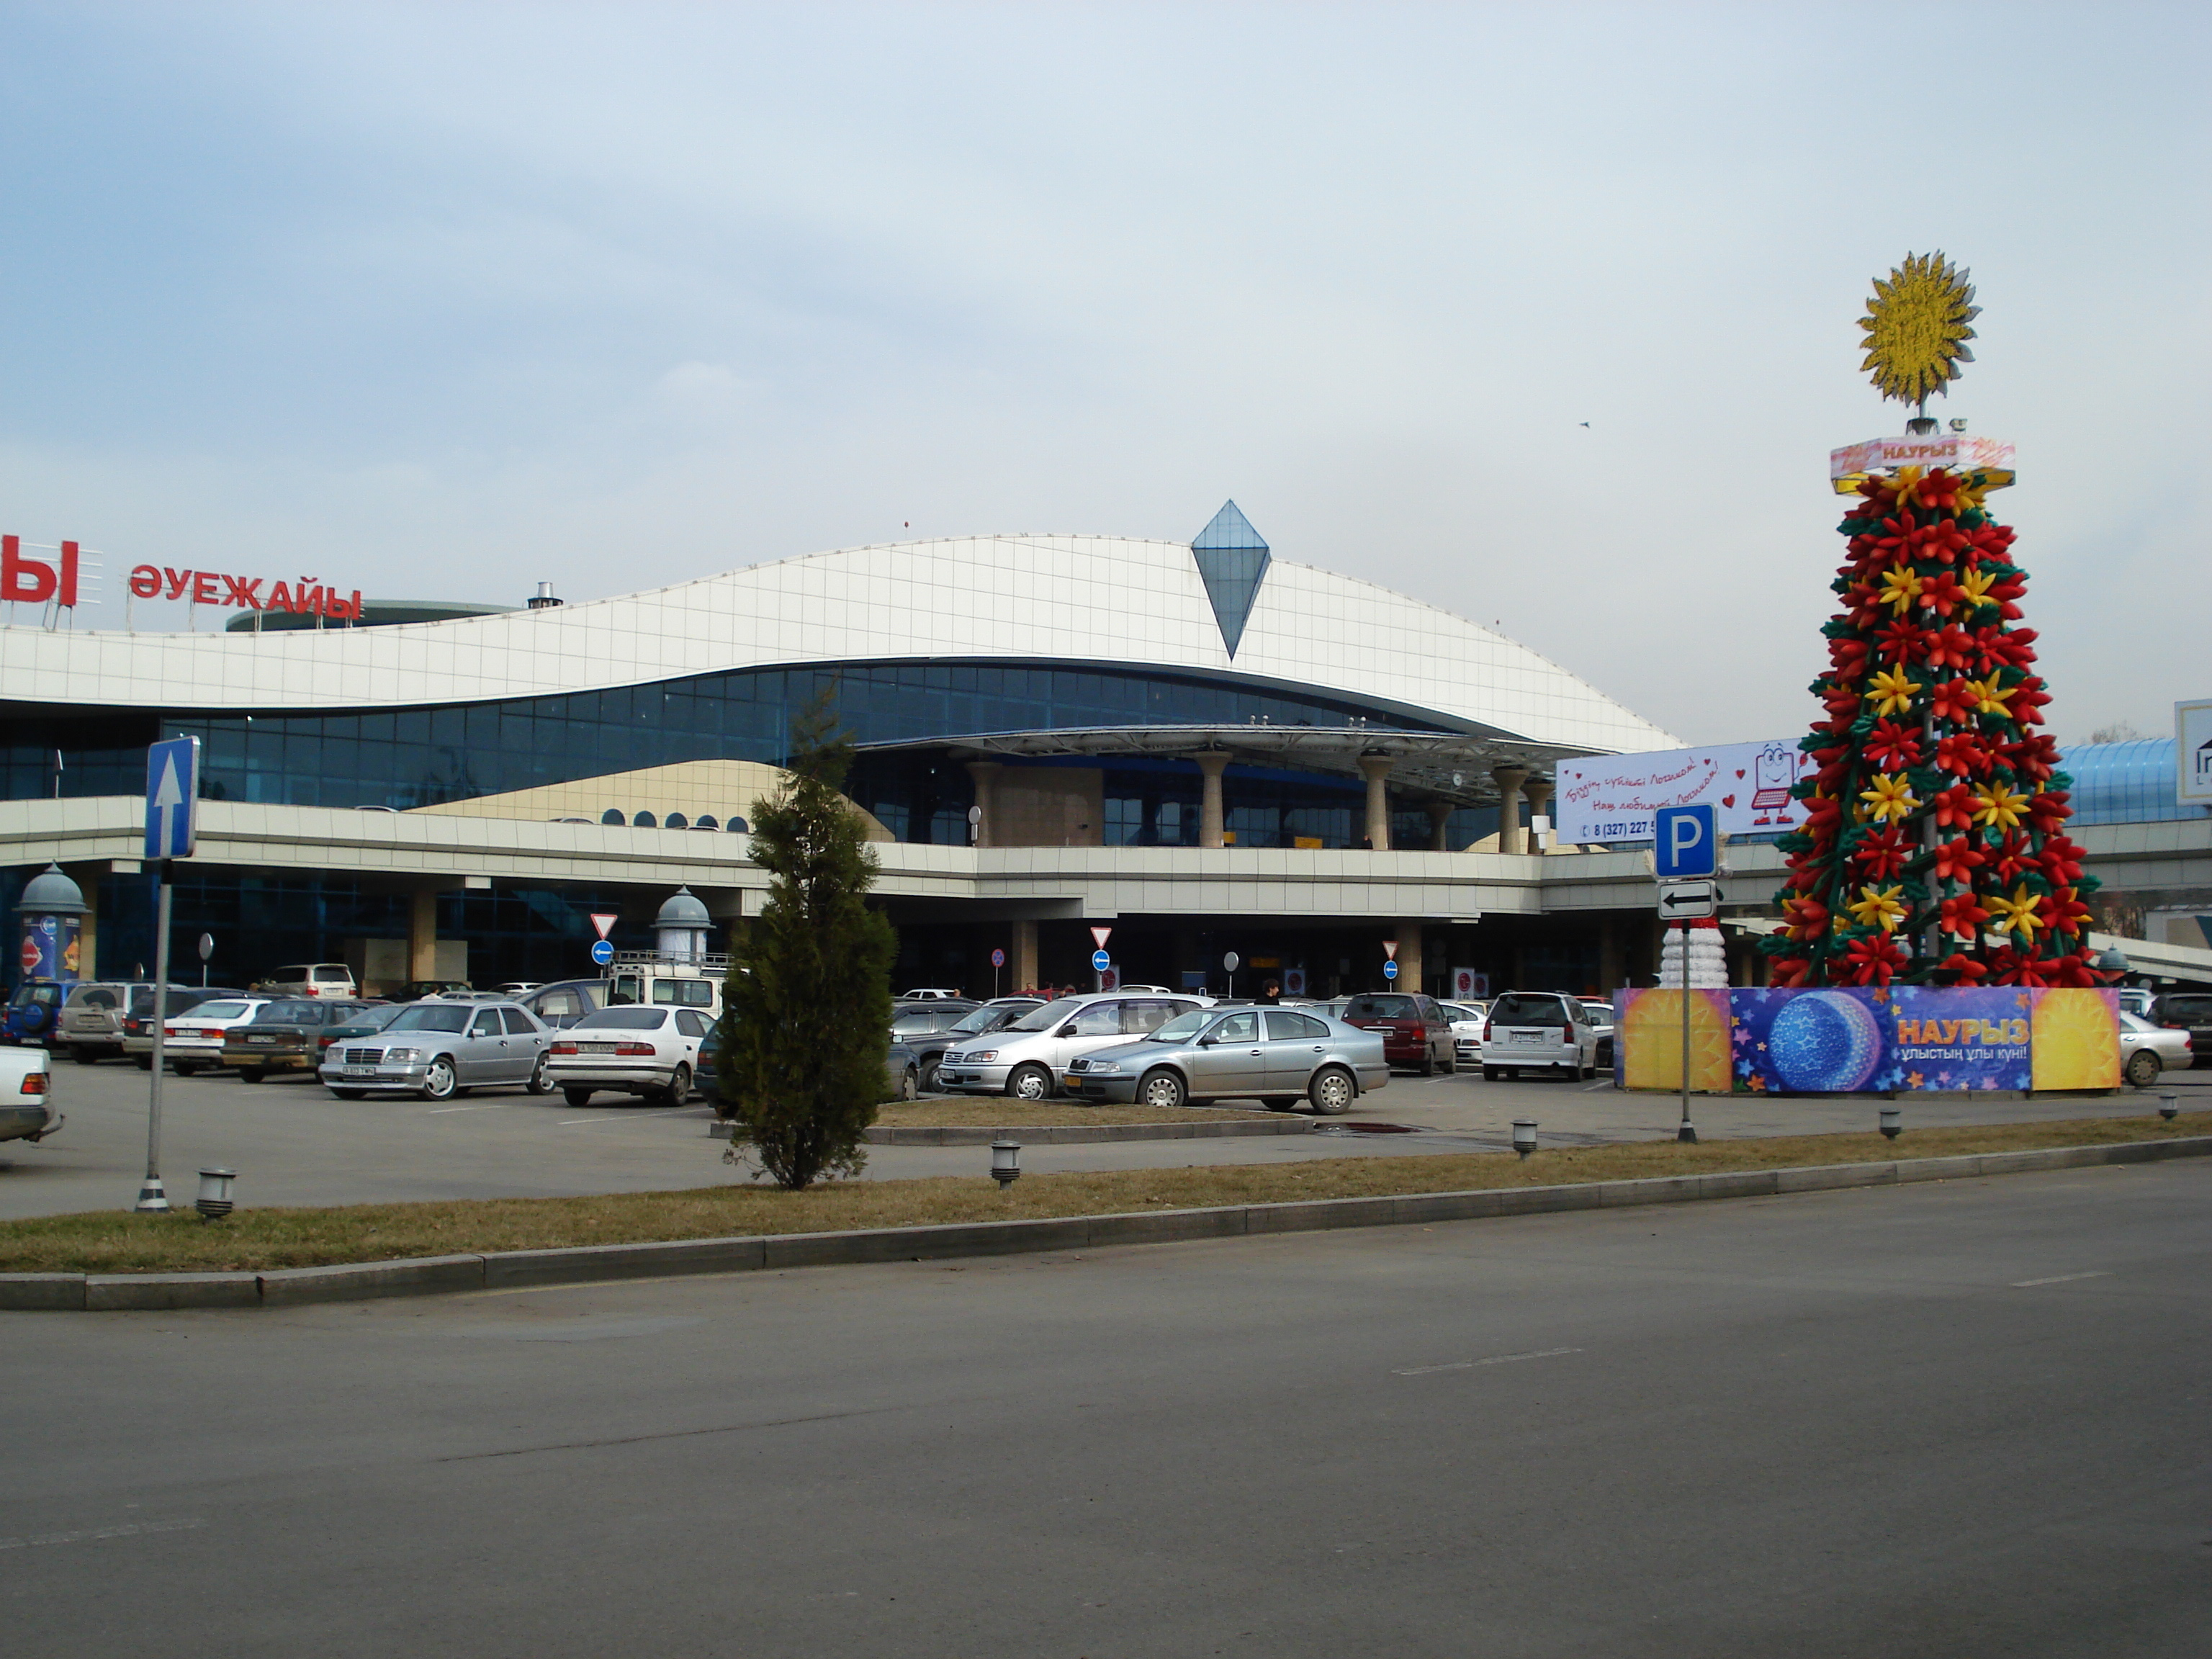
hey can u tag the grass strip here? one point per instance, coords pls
(109, 1241)
(990, 1113)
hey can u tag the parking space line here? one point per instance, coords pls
(2056, 1278)
(619, 1117)
(131, 1529)
(1475, 1364)
(486, 1106)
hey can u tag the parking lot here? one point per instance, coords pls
(294, 1144)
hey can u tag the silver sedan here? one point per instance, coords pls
(1274, 1055)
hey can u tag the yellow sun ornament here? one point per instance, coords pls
(1893, 693)
(1878, 906)
(1917, 329)
(1890, 799)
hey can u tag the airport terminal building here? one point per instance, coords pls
(1206, 748)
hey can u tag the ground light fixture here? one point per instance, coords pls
(2168, 1105)
(1892, 1122)
(1524, 1135)
(214, 1201)
(1005, 1163)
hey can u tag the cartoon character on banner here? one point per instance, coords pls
(1774, 769)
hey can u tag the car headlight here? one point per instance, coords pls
(982, 1056)
(401, 1056)
(1097, 1065)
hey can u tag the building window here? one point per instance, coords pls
(677, 821)
(646, 821)
(1125, 821)
(613, 815)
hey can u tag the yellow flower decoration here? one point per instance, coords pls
(1998, 805)
(1879, 906)
(1892, 692)
(1901, 588)
(1890, 799)
(1976, 584)
(2015, 914)
(1992, 695)
(1906, 481)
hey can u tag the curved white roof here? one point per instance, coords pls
(1097, 598)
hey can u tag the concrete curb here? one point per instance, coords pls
(1072, 1134)
(432, 1275)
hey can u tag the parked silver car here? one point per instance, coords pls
(439, 1050)
(2147, 1049)
(1273, 1055)
(1027, 1059)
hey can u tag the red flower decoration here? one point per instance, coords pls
(1903, 641)
(2062, 861)
(1892, 747)
(1954, 701)
(1963, 915)
(1949, 647)
(1957, 860)
(1873, 960)
(1955, 809)
(1963, 753)
(2065, 912)
(2011, 967)
(1942, 594)
(2015, 857)
(1883, 854)
(2047, 811)
(1964, 966)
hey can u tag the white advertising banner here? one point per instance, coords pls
(2192, 751)
(1617, 796)
(1954, 451)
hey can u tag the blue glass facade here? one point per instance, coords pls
(2129, 782)
(411, 757)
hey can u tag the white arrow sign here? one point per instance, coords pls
(1684, 901)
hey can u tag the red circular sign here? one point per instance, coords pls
(32, 954)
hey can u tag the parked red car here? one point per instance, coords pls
(1415, 1031)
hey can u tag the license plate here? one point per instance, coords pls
(261, 1039)
(595, 1047)
(360, 1070)
(1527, 1036)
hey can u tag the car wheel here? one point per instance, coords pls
(1162, 1089)
(251, 1075)
(1333, 1091)
(541, 1075)
(2143, 1067)
(910, 1084)
(144, 1062)
(1030, 1083)
(1428, 1065)
(925, 1080)
(184, 1069)
(347, 1094)
(1281, 1103)
(577, 1097)
(438, 1082)
(1490, 1074)
(679, 1088)
(1449, 1064)
(85, 1056)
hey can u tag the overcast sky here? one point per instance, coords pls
(440, 301)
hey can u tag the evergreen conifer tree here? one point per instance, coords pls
(808, 1001)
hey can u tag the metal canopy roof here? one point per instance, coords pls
(1448, 766)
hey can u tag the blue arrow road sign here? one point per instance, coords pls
(1389, 970)
(1101, 961)
(1689, 844)
(602, 952)
(173, 792)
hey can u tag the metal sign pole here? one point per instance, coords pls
(1687, 1132)
(152, 1197)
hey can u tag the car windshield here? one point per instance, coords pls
(623, 1020)
(1381, 1008)
(1044, 1018)
(1531, 1010)
(431, 1017)
(375, 1016)
(290, 1013)
(1182, 1028)
(916, 1022)
(981, 1020)
(2186, 1008)
(219, 1010)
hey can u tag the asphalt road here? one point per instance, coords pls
(1934, 1421)
(294, 1143)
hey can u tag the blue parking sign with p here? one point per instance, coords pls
(1689, 842)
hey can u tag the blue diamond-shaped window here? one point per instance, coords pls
(1232, 561)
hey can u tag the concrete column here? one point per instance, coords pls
(1439, 812)
(1376, 769)
(1537, 792)
(1509, 780)
(1025, 963)
(422, 933)
(1409, 955)
(1214, 763)
(985, 773)
(1611, 959)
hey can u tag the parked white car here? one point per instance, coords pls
(1466, 1019)
(650, 1052)
(192, 1040)
(2147, 1049)
(1538, 1030)
(1028, 1058)
(309, 979)
(27, 1111)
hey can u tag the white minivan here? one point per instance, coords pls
(1027, 1059)
(1538, 1030)
(310, 979)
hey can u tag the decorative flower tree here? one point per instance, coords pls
(1934, 849)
